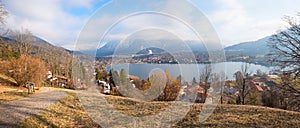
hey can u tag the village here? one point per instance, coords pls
(256, 87)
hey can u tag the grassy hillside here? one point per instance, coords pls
(253, 48)
(69, 113)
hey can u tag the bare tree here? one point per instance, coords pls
(285, 47)
(205, 79)
(285, 51)
(241, 77)
(216, 87)
(283, 95)
(24, 41)
(206, 73)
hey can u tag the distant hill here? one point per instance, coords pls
(39, 45)
(153, 50)
(36, 43)
(252, 48)
(108, 49)
(143, 46)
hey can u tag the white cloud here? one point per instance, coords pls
(47, 18)
(248, 20)
(138, 22)
(153, 21)
(234, 20)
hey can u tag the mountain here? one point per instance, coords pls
(108, 48)
(252, 48)
(152, 50)
(38, 44)
(58, 59)
(143, 46)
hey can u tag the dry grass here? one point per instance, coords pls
(69, 113)
(10, 93)
(242, 116)
(223, 115)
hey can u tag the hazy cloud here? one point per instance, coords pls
(248, 20)
(47, 19)
(61, 21)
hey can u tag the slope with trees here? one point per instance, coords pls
(21, 51)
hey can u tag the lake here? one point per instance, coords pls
(188, 71)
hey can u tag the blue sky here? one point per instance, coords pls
(60, 21)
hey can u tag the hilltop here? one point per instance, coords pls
(251, 48)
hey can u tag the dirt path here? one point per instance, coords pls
(17, 111)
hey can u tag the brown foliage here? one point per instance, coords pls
(4, 65)
(241, 77)
(25, 69)
(170, 91)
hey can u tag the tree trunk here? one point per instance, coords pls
(243, 92)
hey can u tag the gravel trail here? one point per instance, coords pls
(11, 113)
